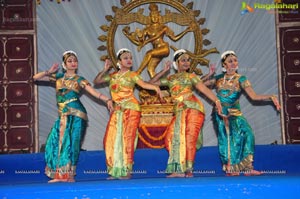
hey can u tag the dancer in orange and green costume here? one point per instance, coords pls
(183, 131)
(64, 140)
(121, 131)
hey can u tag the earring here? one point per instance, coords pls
(119, 65)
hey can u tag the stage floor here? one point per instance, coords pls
(197, 187)
(21, 176)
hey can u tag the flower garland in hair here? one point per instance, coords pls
(176, 55)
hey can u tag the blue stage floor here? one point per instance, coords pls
(197, 187)
(22, 176)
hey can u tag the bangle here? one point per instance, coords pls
(217, 101)
(157, 89)
(106, 101)
(273, 97)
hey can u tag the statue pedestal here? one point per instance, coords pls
(154, 121)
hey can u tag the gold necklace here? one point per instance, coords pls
(121, 74)
(65, 80)
(228, 81)
(69, 76)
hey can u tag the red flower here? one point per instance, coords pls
(176, 88)
(114, 86)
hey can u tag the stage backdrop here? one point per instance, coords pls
(75, 25)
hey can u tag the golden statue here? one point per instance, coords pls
(154, 33)
(154, 30)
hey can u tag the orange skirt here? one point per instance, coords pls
(181, 140)
(119, 141)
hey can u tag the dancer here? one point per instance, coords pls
(235, 136)
(121, 131)
(189, 114)
(64, 140)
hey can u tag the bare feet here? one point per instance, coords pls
(71, 180)
(189, 174)
(176, 175)
(111, 178)
(53, 181)
(232, 173)
(252, 173)
(58, 180)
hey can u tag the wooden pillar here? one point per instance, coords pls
(288, 51)
(18, 94)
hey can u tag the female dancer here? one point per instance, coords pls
(235, 136)
(120, 136)
(189, 114)
(63, 143)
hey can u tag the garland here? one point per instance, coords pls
(149, 144)
(145, 130)
(148, 135)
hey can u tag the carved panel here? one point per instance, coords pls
(19, 47)
(293, 106)
(19, 115)
(292, 84)
(19, 138)
(294, 131)
(19, 71)
(291, 62)
(16, 14)
(291, 39)
(19, 93)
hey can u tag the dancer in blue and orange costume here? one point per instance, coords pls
(64, 140)
(121, 130)
(185, 126)
(235, 136)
